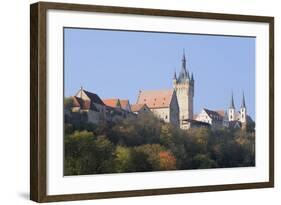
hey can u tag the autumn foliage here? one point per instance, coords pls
(149, 144)
(167, 161)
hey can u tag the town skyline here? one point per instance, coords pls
(101, 80)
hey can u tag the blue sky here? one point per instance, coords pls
(117, 64)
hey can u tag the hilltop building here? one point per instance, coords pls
(163, 103)
(240, 116)
(184, 88)
(172, 105)
(175, 105)
(97, 110)
(229, 118)
(140, 109)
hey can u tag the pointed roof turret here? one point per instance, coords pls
(192, 78)
(183, 61)
(243, 105)
(232, 102)
(183, 56)
(183, 75)
(175, 75)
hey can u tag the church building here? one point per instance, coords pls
(229, 118)
(163, 103)
(172, 105)
(240, 116)
(176, 105)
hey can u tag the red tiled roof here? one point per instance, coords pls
(155, 98)
(113, 102)
(136, 107)
(124, 103)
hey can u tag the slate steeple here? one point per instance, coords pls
(175, 75)
(232, 102)
(183, 61)
(243, 105)
(192, 78)
(183, 75)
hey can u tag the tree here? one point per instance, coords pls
(132, 132)
(140, 161)
(149, 144)
(76, 145)
(103, 153)
(151, 151)
(123, 159)
(167, 161)
(88, 154)
(202, 161)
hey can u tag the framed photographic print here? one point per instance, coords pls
(135, 102)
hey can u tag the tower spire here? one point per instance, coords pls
(243, 105)
(175, 75)
(232, 101)
(183, 61)
(183, 75)
(184, 89)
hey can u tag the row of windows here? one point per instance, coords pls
(154, 99)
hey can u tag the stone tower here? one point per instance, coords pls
(184, 88)
(231, 110)
(243, 112)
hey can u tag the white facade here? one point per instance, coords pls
(240, 116)
(243, 115)
(162, 113)
(231, 114)
(214, 118)
(204, 117)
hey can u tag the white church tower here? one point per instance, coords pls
(231, 110)
(184, 88)
(243, 112)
